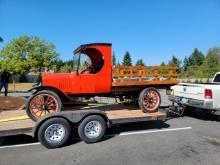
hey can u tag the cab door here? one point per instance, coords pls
(87, 83)
(86, 78)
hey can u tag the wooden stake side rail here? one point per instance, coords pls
(145, 83)
(143, 75)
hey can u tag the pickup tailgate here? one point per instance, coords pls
(188, 90)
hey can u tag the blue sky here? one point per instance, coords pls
(153, 30)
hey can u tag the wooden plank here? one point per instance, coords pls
(143, 75)
(142, 83)
(16, 127)
(144, 71)
(126, 116)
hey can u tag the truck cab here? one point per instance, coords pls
(216, 79)
(92, 71)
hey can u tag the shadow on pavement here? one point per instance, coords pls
(203, 115)
(17, 139)
(196, 113)
(138, 126)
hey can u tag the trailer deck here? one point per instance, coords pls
(128, 116)
(25, 126)
(16, 127)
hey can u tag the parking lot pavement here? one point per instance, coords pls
(186, 140)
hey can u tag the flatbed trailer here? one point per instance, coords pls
(47, 129)
(54, 130)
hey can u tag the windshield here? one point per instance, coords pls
(75, 62)
(81, 62)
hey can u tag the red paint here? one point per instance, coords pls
(87, 83)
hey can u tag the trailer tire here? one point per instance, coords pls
(54, 132)
(149, 100)
(39, 100)
(92, 129)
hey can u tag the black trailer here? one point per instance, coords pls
(54, 130)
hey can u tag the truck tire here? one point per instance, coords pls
(149, 100)
(218, 117)
(54, 132)
(42, 103)
(92, 129)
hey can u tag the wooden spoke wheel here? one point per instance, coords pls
(149, 100)
(43, 103)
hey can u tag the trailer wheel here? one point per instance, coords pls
(43, 103)
(92, 129)
(149, 100)
(54, 132)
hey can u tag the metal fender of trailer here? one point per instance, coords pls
(73, 117)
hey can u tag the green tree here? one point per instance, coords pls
(162, 63)
(113, 59)
(140, 62)
(175, 62)
(196, 58)
(212, 62)
(127, 59)
(66, 68)
(28, 52)
(58, 63)
(185, 63)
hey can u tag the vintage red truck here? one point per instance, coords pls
(94, 75)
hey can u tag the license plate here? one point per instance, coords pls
(184, 100)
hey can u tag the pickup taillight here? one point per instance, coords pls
(208, 93)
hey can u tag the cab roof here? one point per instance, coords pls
(81, 47)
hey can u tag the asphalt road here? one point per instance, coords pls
(186, 140)
(193, 139)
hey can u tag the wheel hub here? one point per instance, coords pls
(55, 133)
(44, 107)
(92, 129)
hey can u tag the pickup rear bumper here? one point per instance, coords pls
(205, 104)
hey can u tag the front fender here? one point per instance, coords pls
(61, 94)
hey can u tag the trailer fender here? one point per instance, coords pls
(73, 117)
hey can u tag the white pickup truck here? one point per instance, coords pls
(205, 96)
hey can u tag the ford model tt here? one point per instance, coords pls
(94, 75)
